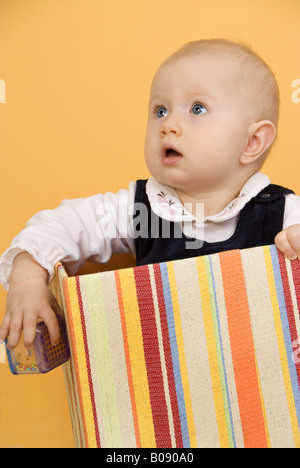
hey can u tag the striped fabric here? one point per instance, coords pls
(201, 352)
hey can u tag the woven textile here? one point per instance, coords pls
(201, 352)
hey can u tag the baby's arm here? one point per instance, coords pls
(28, 299)
(73, 233)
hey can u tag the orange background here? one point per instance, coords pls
(77, 75)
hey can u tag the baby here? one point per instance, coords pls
(212, 120)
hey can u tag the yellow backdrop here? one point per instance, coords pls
(75, 77)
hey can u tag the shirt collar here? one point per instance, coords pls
(166, 204)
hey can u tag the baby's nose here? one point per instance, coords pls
(170, 125)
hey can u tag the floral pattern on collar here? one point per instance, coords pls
(165, 202)
(231, 206)
(168, 202)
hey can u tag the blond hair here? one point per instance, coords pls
(259, 80)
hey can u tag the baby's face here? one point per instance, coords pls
(199, 117)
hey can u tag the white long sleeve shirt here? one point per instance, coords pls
(95, 228)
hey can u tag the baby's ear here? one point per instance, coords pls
(261, 136)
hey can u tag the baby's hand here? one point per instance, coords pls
(28, 300)
(288, 241)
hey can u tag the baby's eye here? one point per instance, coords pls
(161, 111)
(198, 109)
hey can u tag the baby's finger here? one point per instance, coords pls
(283, 244)
(29, 330)
(50, 320)
(293, 237)
(55, 306)
(4, 327)
(15, 331)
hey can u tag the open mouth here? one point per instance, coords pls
(170, 152)
(170, 155)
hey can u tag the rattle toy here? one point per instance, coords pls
(42, 357)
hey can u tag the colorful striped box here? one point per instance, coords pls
(202, 352)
